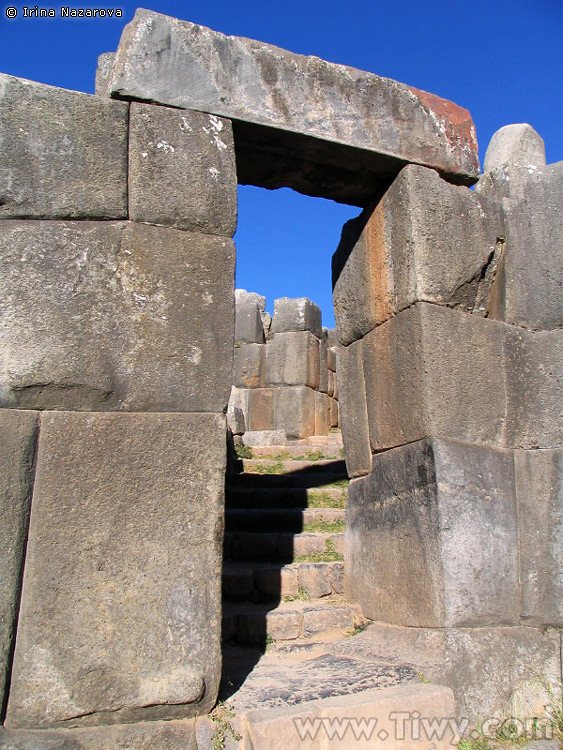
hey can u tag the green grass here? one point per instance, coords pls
(317, 455)
(320, 499)
(268, 468)
(301, 596)
(244, 451)
(339, 484)
(320, 525)
(329, 555)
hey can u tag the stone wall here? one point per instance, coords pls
(117, 325)
(448, 304)
(284, 374)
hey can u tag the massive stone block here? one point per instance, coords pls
(322, 413)
(261, 409)
(354, 410)
(249, 368)
(295, 411)
(115, 316)
(433, 371)
(515, 144)
(120, 614)
(349, 125)
(531, 273)
(249, 328)
(18, 434)
(182, 170)
(296, 314)
(432, 539)
(63, 154)
(425, 240)
(292, 358)
(539, 488)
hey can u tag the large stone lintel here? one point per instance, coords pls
(120, 613)
(294, 107)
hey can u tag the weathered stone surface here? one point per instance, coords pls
(354, 410)
(323, 366)
(248, 320)
(539, 488)
(494, 672)
(154, 735)
(237, 410)
(515, 144)
(125, 533)
(315, 579)
(182, 170)
(534, 381)
(356, 125)
(249, 366)
(322, 413)
(531, 272)
(334, 414)
(295, 411)
(431, 536)
(433, 371)
(292, 358)
(103, 72)
(18, 434)
(115, 316)
(331, 359)
(261, 409)
(63, 154)
(296, 314)
(445, 252)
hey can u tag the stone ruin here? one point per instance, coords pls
(284, 372)
(117, 212)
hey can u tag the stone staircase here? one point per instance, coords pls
(284, 534)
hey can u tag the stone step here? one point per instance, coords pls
(293, 520)
(260, 582)
(302, 479)
(284, 497)
(271, 466)
(298, 451)
(282, 547)
(259, 623)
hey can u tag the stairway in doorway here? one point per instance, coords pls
(284, 533)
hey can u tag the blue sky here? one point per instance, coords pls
(501, 59)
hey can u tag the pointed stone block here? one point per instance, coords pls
(249, 328)
(515, 144)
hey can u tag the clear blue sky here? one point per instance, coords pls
(502, 59)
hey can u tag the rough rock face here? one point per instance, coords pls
(103, 317)
(294, 109)
(120, 613)
(515, 144)
(63, 154)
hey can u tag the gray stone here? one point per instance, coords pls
(539, 488)
(126, 534)
(182, 170)
(261, 409)
(264, 437)
(237, 410)
(433, 371)
(322, 413)
(334, 414)
(432, 539)
(354, 410)
(494, 672)
(445, 253)
(531, 272)
(248, 366)
(323, 367)
(18, 434)
(103, 72)
(292, 358)
(155, 735)
(248, 320)
(534, 382)
(115, 316)
(295, 411)
(343, 126)
(296, 314)
(314, 579)
(331, 379)
(515, 144)
(331, 359)
(63, 154)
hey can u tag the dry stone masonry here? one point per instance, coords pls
(117, 324)
(284, 372)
